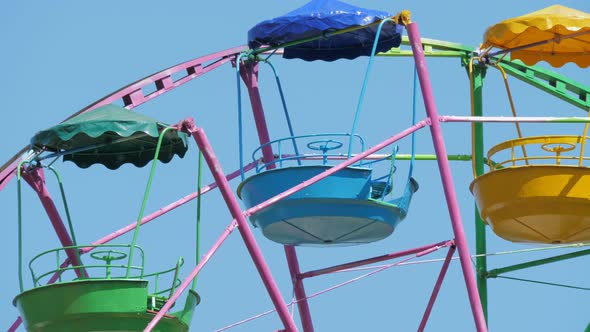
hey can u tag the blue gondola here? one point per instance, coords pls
(349, 206)
(345, 208)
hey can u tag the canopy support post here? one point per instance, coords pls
(250, 78)
(446, 177)
(35, 177)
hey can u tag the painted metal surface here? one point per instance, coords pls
(55, 306)
(327, 221)
(538, 262)
(333, 211)
(543, 79)
(36, 179)
(188, 280)
(243, 228)
(294, 150)
(351, 265)
(481, 263)
(250, 78)
(344, 164)
(447, 180)
(536, 203)
(539, 196)
(437, 286)
(106, 302)
(566, 89)
(97, 305)
(351, 182)
(546, 149)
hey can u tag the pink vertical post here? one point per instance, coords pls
(243, 227)
(447, 180)
(298, 288)
(441, 277)
(250, 78)
(36, 179)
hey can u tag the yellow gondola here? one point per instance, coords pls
(541, 198)
(540, 193)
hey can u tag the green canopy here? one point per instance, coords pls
(111, 135)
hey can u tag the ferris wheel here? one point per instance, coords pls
(311, 189)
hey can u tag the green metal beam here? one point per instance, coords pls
(481, 264)
(496, 272)
(550, 82)
(454, 157)
(553, 83)
(545, 283)
(433, 48)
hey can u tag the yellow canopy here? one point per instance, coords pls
(556, 34)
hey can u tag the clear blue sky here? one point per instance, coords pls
(59, 56)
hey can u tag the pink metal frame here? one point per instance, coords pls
(446, 177)
(250, 77)
(441, 277)
(230, 199)
(228, 196)
(36, 179)
(244, 229)
(133, 96)
(373, 260)
(188, 280)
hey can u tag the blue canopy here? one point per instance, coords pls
(317, 18)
